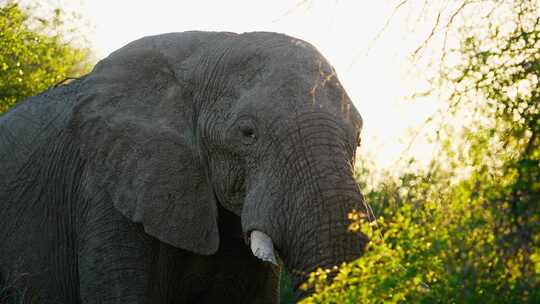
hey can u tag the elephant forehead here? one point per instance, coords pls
(282, 65)
(296, 79)
(293, 91)
(273, 50)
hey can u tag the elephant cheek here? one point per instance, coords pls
(259, 215)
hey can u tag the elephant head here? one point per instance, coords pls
(174, 125)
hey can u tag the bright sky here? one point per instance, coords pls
(376, 74)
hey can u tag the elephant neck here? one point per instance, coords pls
(34, 124)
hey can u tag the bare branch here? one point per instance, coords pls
(386, 24)
(430, 36)
(446, 27)
(65, 80)
(381, 31)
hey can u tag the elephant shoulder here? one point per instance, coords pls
(30, 125)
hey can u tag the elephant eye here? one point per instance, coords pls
(247, 131)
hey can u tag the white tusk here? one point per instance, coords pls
(262, 247)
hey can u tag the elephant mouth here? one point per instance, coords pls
(262, 247)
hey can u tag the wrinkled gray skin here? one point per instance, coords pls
(142, 181)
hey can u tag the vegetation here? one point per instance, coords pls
(466, 229)
(35, 53)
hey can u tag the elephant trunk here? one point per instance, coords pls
(304, 208)
(324, 240)
(311, 229)
(321, 213)
(319, 238)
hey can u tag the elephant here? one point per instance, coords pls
(185, 167)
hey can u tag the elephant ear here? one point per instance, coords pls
(135, 120)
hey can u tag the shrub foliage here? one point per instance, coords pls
(35, 53)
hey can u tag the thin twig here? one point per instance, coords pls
(430, 36)
(371, 44)
(386, 24)
(64, 80)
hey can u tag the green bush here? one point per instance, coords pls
(434, 252)
(34, 53)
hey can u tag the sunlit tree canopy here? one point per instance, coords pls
(34, 52)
